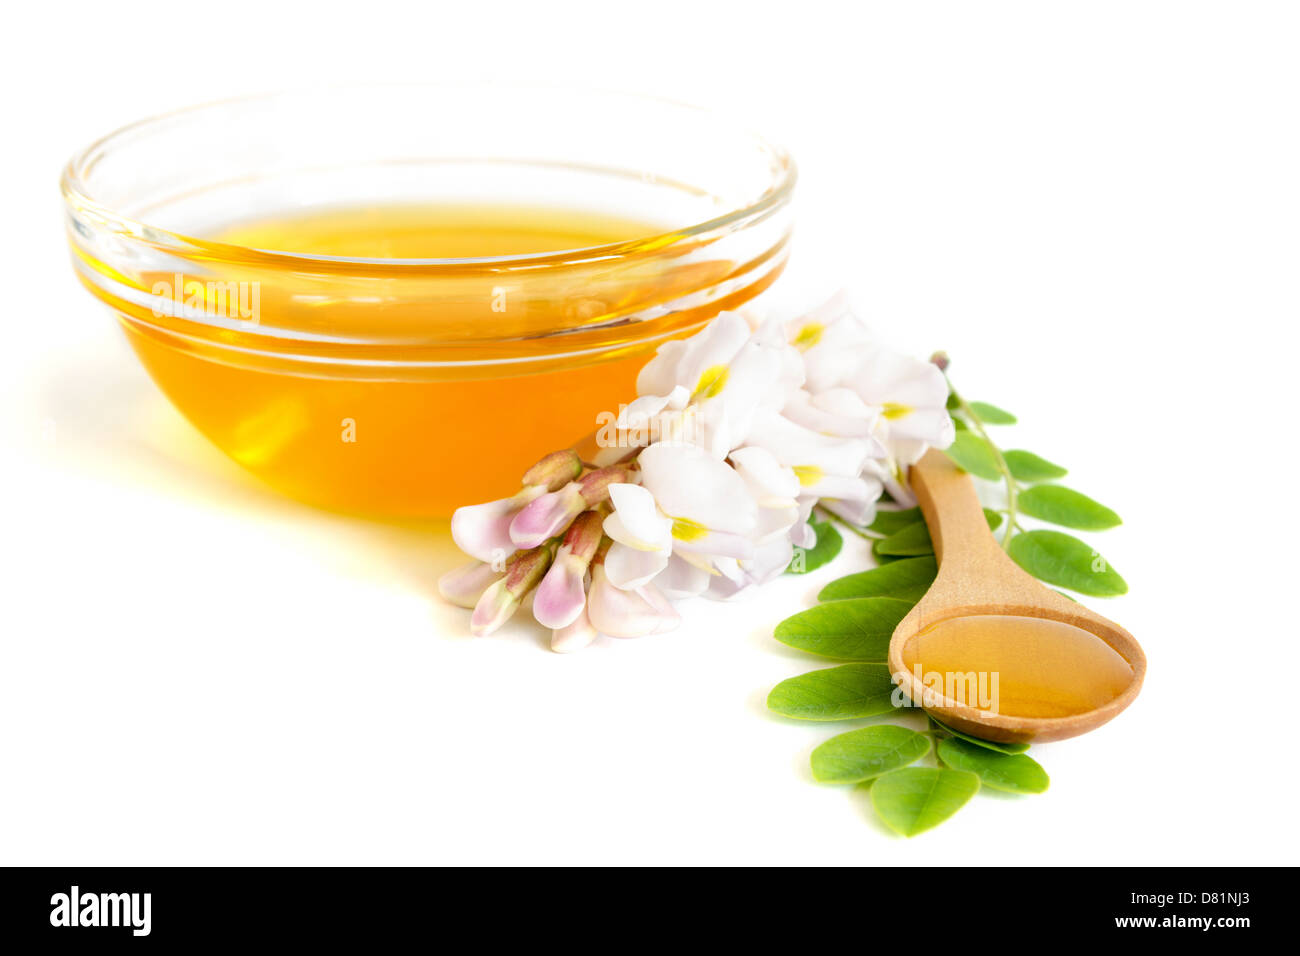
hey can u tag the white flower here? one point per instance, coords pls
(860, 513)
(641, 411)
(912, 396)
(903, 399)
(802, 534)
(769, 561)
(728, 373)
(619, 612)
(696, 362)
(838, 412)
(774, 487)
(653, 418)
(826, 467)
(682, 579)
(711, 510)
(772, 484)
(833, 342)
(689, 505)
(642, 536)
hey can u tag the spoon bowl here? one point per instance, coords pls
(977, 578)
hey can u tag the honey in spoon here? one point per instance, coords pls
(1019, 666)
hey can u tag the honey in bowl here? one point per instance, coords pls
(419, 445)
(436, 231)
(437, 304)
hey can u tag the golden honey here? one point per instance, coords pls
(1019, 666)
(425, 306)
(435, 231)
(392, 373)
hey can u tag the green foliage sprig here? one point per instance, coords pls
(858, 613)
(1051, 556)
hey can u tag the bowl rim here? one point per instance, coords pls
(77, 194)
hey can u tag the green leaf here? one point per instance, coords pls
(887, 522)
(853, 630)
(1027, 467)
(827, 547)
(914, 540)
(883, 559)
(1067, 562)
(847, 692)
(972, 453)
(991, 414)
(915, 799)
(1065, 506)
(907, 580)
(953, 401)
(987, 744)
(1016, 773)
(862, 754)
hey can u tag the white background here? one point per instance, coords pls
(1093, 207)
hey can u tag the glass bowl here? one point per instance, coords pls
(404, 386)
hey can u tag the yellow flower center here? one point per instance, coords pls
(893, 410)
(712, 381)
(808, 474)
(684, 529)
(808, 336)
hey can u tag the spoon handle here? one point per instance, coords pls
(961, 535)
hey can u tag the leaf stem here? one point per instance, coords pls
(859, 531)
(936, 733)
(1003, 469)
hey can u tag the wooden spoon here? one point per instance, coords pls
(976, 576)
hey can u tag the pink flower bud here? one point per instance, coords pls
(562, 595)
(546, 516)
(555, 470)
(595, 484)
(583, 536)
(465, 585)
(526, 568)
(500, 601)
(483, 531)
(493, 609)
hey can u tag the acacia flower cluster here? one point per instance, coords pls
(735, 435)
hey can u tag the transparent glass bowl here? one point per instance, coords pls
(412, 386)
